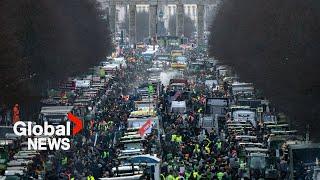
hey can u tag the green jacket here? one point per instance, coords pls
(64, 161)
(105, 154)
(170, 177)
(220, 175)
(219, 145)
(90, 178)
(196, 175)
(187, 175)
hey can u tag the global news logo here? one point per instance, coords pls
(46, 136)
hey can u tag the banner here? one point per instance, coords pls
(145, 127)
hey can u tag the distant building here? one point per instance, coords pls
(169, 10)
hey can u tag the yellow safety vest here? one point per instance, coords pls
(179, 139)
(173, 137)
(90, 178)
(196, 148)
(170, 177)
(195, 174)
(207, 149)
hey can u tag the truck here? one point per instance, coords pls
(259, 166)
(55, 114)
(178, 84)
(179, 62)
(242, 89)
(303, 156)
(178, 107)
(216, 105)
(243, 115)
(197, 67)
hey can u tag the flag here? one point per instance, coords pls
(145, 127)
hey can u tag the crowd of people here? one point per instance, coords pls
(187, 150)
(191, 152)
(93, 151)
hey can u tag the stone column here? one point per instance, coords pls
(152, 19)
(132, 23)
(112, 17)
(200, 27)
(180, 19)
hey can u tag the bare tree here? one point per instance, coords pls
(46, 41)
(274, 44)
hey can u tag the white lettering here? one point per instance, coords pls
(48, 129)
(37, 130)
(22, 130)
(68, 133)
(29, 128)
(54, 143)
(65, 144)
(60, 130)
(42, 143)
(32, 144)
